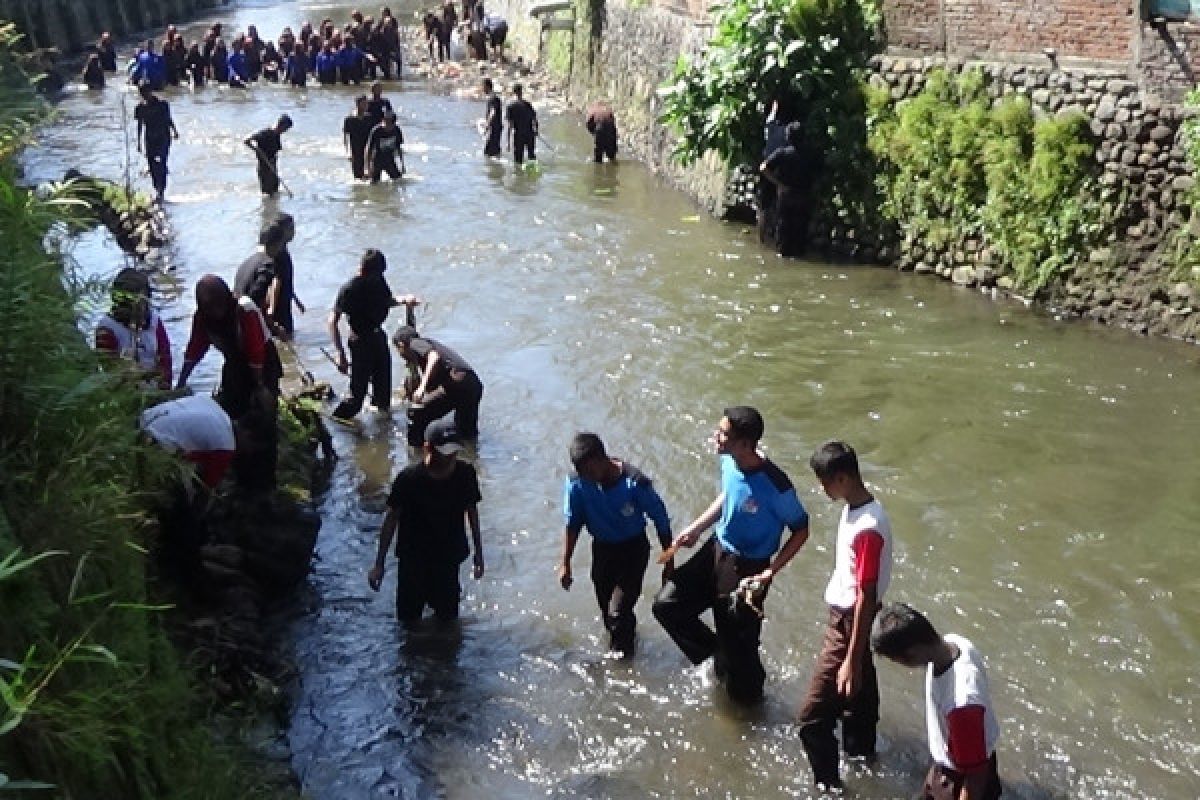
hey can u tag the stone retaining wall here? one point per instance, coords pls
(72, 25)
(1140, 156)
(623, 53)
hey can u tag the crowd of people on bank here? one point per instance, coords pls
(433, 503)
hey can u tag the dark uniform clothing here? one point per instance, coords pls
(523, 119)
(376, 109)
(796, 169)
(254, 278)
(366, 301)
(108, 57)
(431, 538)
(285, 273)
(268, 144)
(602, 125)
(495, 109)
(358, 130)
(382, 147)
(454, 387)
(155, 117)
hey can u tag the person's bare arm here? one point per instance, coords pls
(849, 677)
(570, 539)
(431, 362)
(476, 541)
(335, 334)
(792, 546)
(386, 533)
(688, 536)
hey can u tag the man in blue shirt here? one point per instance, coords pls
(733, 570)
(239, 68)
(612, 499)
(150, 68)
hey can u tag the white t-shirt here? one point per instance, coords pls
(958, 710)
(144, 350)
(189, 425)
(863, 552)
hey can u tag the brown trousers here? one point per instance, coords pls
(824, 707)
(943, 783)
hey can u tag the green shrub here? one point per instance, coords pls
(954, 166)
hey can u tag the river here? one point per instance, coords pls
(1042, 477)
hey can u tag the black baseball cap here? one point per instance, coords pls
(442, 436)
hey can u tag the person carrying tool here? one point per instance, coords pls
(266, 144)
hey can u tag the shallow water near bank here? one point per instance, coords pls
(1042, 477)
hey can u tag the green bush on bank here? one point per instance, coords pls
(94, 699)
(955, 167)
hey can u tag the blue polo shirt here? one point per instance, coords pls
(758, 505)
(237, 65)
(152, 68)
(616, 513)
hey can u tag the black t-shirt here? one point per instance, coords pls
(384, 142)
(377, 108)
(366, 301)
(155, 116)
(269, 142)
(359, 130)
(448, 359)
(430, 513)
(495, 109)
(254, 278)
(521, 116)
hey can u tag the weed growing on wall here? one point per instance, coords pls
(809, 54)
(955, 167)
(1187, 239)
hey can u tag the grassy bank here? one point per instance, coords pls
(94, 699)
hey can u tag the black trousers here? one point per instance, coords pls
(523, 144)
(618, 569)
(426, 580)
(384, 163)
(705, 582)
(156, 161)
(370, 364)
(605, 145)
(824, 706)
(792, 216)
(268, 177)
(492, 146)
(358, 161)
(462, 397)
(943, 783)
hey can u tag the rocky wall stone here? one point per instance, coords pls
(72, 25)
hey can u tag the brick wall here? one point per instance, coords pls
(1092, 30)
(914, 25)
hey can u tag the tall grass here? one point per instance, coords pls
(94, 699)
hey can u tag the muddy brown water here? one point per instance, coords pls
(1042, 477)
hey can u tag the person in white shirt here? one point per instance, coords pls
(959, 717)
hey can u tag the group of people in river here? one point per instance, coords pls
(433, 503)
(374, 141)
(362, 49)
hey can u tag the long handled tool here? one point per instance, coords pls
(263, 159)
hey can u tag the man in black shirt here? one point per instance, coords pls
(356, 130)
(155, 126)
(378, 105)
(493, 123)
(429, 507)
(448, 384)
(366, 300)
(285, 280)
(793, 170)
(384, 144)
(257, 277)
(266, 144)
(602, 125)
(522, 126)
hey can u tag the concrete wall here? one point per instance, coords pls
(72, 25)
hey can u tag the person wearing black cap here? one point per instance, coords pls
(266, 144)
(522, 126)
(448, 384)
(366, 300)
(383, 146)
(428, 510)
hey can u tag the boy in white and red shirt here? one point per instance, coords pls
(843, 686)
(958, 706)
